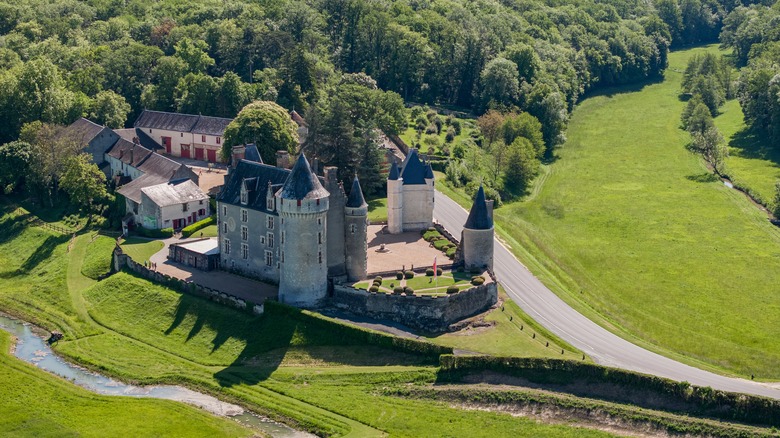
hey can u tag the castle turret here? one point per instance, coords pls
(395, 200)
(356, 237)
(336, 203)
(477, 235)
(303, 208)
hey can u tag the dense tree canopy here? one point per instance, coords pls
(265, 124)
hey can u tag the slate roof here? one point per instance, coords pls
(182, 122)
(143, 138)
(256, 176)
(414, 171)
(128, 152)
(394, 174)
(132, 190)
(174, 193)
(302, 183)
(252, 154)
(144, 159)
(479, 218)
(356, 199)
(82, 130)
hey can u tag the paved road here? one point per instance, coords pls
(603, 346)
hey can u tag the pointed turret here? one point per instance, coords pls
(477, 236)
(356, 199)
(356, 234)
(302, 183)
(394, 173)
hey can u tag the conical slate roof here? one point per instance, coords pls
(252, 154)
(479, 219)
(393, 172)
(302, 183)
(413, 171)
(356, 199)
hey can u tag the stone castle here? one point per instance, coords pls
(299, 230)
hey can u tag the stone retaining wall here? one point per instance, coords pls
(123, 261)
(432, 314)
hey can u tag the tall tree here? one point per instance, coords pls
(15, 160)
(109, 109)
(522, 166)
(490, 124)
(500, 83)
(265, 124)
(83, 182)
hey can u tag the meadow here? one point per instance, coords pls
(309, 373)
(629, 228)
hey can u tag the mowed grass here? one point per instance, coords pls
(98, 257)
(754, 162)
(36, 404)
(623, 229)
(139, 249)
(377, 210)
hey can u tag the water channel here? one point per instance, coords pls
(33, 349)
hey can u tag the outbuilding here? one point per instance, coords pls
(202, 254)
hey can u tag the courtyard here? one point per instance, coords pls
(401, 251)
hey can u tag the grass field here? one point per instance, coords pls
(140, 249)
(98, 257)
(754, 162)
(286, 368)
(624, 230)
(377, 210)
(36, 403)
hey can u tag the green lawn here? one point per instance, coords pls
(36, 404)
(754, 162)
(140, 249)
(210, 231)
(98, 257)
(624, 230)
(377, 210)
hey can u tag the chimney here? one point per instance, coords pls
(283, 159)
(135, 140)
(238, 154)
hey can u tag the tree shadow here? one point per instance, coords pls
(42, 253)
(705, 177)
(754, 144)
(614, 90)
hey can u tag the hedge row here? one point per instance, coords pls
(156, 234)
(197, 226)
(699, 400)
(357, 334)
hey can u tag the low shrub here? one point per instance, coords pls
(155, 234)
(408, 290)
(429, 272)
(408, 274)
(398, 290)
(478, 280)
(378, 280)
(452, 289)
(438, 271)
(451, 254)
(373, 289)
(197, 226)
(399, 275)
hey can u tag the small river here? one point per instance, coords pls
(33, 349)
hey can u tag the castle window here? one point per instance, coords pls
(269, 258)
(244, 251)
(203, 138)
(244, 195)
(319, 238)
(282, 256)
(226, 246)
(270, 222)
(262, 240)
(244, 215)
(224, 227)
(352, 228)
(224, 210)
(319, 221)
(270, 240)
(320, 256)
(219, 140)
(244, 233)
(270, 204)
(282, 242)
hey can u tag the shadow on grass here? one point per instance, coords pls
(753, 144)
(615, 90)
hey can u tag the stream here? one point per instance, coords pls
(35, 350)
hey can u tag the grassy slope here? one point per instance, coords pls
(754, 162)
(623, 228)
(36, 403)
(98, 257)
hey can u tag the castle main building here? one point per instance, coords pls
(291, 227)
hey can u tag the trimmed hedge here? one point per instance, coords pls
(155, 234)
(700, 400)
(408, 274)
(399, 275)
(358, 335)
(452, 289)
(197, 226)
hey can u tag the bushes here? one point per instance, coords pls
(408, 275)
(408, 291)
(378, 280)
(398, 290)
(197, 226)
(373, 289)
(155, 234)
(452, 289)
(477, 280)
(399, 275)
(429, 272)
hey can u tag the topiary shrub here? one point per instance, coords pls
(398, 290)
(408, 291)
(399, 275)
(477, 280)
(378, 280)
(429, 272)
(373, 289)
(452, 289)
(409, 274)
(438, 271)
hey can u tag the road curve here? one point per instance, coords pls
(603, 346)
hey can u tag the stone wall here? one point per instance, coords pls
(123, 261)
(427, 313)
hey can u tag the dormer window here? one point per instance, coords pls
(269, 203)
(244, 195)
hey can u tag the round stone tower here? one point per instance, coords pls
(303, 209)
(477, 237)
(395, 201)
(356, 238)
